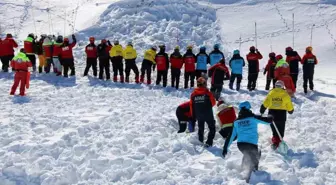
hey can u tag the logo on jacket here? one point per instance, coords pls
(200, 98)
(244, 123)
(65, 48)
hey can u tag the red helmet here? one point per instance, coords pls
(252, 48)
(289, 49)
(66, 39)
(272, 55)
(91, 39)
(201, 82)
(279, 57)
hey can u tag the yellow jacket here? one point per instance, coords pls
(116, 50)
(129, 53)
(150, 55)
(278, 99)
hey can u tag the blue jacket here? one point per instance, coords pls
(202, 61)
(215, 57)
(246, 127)
(236, 64)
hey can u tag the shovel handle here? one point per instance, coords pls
(276, 128)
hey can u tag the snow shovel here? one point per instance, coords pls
(283, 147)
(27, 80)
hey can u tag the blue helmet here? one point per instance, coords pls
(245, 105)
(216, 46)
(236, 52)
(202, 48)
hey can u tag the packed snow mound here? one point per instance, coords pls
(172, 22)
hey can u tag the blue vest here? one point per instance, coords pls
(202, 62)
(215, 58)
(236, 66)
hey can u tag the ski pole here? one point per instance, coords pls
(64, 21)
(240, 42)
(32, 10)
(311, 35)
(256, 35)
(293, 31)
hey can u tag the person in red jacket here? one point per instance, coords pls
(31, 48)
(189, 60)
(20, 63)
(308, 62)
(288, 82)
(162, 65)
(176, 61)
(253, 67)
(91, 57)
(7, 51)
(218, 73)
(184, 117)
(56, 55)
(269, 69)
(66, 56)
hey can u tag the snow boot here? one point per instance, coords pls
(127, 79)
(238, 87)
(121, 79)
(137, 79)
(305, 91)
(142, 79)
(231, 86)
(72, 73)
(40, 69)
(149, 82)
(115, 79)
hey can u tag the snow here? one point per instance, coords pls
(84, 131)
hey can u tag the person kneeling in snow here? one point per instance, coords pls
(20, 63)
(184, 117)
(245, 128)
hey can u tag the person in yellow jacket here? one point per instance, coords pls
(147, 63)
(130, 56)
(116, 54)
(278, 102)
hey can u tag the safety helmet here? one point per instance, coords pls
(91, 39)
(279, 57)
(245, 105)
(154, 47)
(201, 82)
(236, 52)
(289, 48)
(116, 42)
(202, 48)
(66, 39)
(189, 47)
(309, 49)
(279, 84)
(177, 48)
(252, 48)
(8, 35)
(222, 61)
(31, 35)
(162, 46)
(129, 43)
(216, 46)
(272, 55)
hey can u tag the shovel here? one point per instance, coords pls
(283, 147)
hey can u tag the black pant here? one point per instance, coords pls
(68, 63)
(233, 78)
(104, 65)
(251, 155)
(281, 125)
(308, 77)
(252, 81)
(175, 77)
(163, 75)
(216, 90)
(146, 68)
(226, 134)
(131, 65)
(91, 62)
(117, 66)
(294, 78)
(212, 131)
(5, 62)
(187, 76)
(32, 59)
(268, 83)
(49, 61)
(199, 73)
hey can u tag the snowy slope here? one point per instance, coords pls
(84, 131)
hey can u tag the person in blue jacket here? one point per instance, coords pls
(202, 60)
(245, 128)
(216, 55)
(236, 64)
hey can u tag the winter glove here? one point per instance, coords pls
(265, 72)
(73, 36)
(109, 43)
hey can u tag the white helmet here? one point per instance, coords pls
(279, 84)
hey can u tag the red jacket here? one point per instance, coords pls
(91, 51)
(176, 62)
(1, 48)
(270, 68)
(19, 64)
(281, 71)
(47, 51)
(218, 73)
(226, 116)
(186, 106)
(162, 61)
(253, 62)
(8, 46)
(57, 49)
(66, 51)
(189, 63)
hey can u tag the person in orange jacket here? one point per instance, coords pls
(20, 63)
(253, 67)
(201, 103)
(308, 62)
(7, 51)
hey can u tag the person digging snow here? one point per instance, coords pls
(201, 103)
(278, 103)
(20, 63)
(245, 128)
(184, 117)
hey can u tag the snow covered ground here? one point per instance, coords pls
(84, 131)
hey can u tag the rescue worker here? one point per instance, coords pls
(21, 64)
(189, 60)
(91, 57)
(278, 103)
(176, 61)
(218, 74)
(216, 55)
(184, 117)
(269, 70)
(236, 64)
(30, 48)
(202, 60)
(116, 54)
(308, 62)
(66, 56)
(39, 52)
(201, 103)
(253, 67)
(48, 53)
(103, 50)
(293, 59)
(162, 64)
(56, 55)
(147, 64)
(130, 56)
(7, 51)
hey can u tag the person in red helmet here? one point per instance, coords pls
(103, 50)
(308, 62)
(269, 70)
(7, 51)
(253, 67)
(218, 73)
(20, 63)
(66, 56)
(91, 57)
(293, 59)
